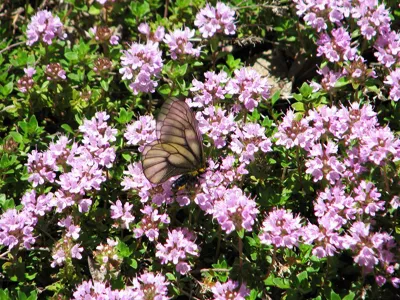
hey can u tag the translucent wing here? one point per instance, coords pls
(179, 145)
(176, 123)
(164, 160)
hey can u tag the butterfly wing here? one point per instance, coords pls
(165, 160)
(179, 145)
(176, 123)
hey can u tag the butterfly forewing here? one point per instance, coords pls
(179, 145)
(176, 123)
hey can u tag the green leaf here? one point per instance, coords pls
(124, 116)
(306, 90)
(33, 124)
(302, 276)
(165, 89)
(94, 10)
(71, 56)
(123, 249)
(240, 233)
(350, 296)
(104, 85)
(133, 263)
(275, 97)
(170, 276)
(16, 136)
(67, 128)
(281, 283)
(335, 296)
(7, 89)
(298, 106)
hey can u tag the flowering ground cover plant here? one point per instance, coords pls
(295, 104)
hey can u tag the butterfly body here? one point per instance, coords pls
(178, 149)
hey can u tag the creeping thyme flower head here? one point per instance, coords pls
(150, 286)
(249, 86)
(235, 211)
(281, 229)
(65, 250)
(16, 228)
(150, 223)
(336, 48)
(122, 214)
(219, 19)
(104, 34)
(156, 36)
(102, 66)
(393, 80)
(26, 83)
(100, 290)
(178, 246)
(141, 132)
(142, 65)
(328, 81)
(106, 256)
(179, 44)
(211, 90)
(230, 290)
(44, 27)
(55, 72)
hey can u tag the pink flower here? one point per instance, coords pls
(230, 290)
(122, 213)
(150, 286)
(150, 223)
(212, 20)
(44, 27)
(142, 65)
(141, 132)
(210, 91)
(281, 229)
(250, 87)
(179, 44)
(178, 246)
(16, 227)
(156, 36)
(235, 211)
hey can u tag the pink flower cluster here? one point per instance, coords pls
(178, 246)
(235, 211)
(373, 20)
(211, 90)
(336, 48)
(122, 213)
(156, 36)
(150, 223)
(16, 228)
(142, 65)
(44, 27)
(107, 259)
(26, 82)
(281, 229)
(73, 172)
(342, 145)
(104, 34)
(230, 290)
(212, 20)
(146, 286)
(249, 86)
(179, 43)
(141, 132)
(356, 126)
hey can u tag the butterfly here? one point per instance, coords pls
(178, 149)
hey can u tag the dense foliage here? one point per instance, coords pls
(297, 102)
